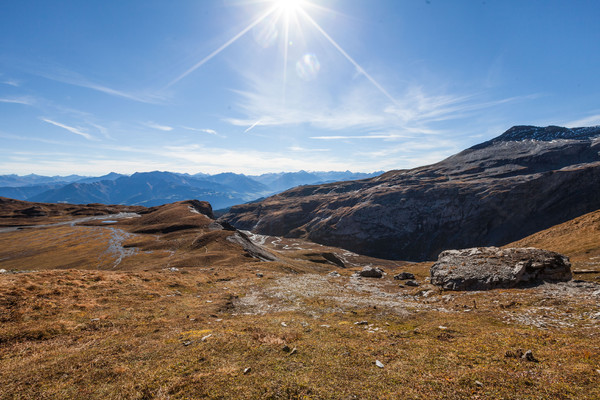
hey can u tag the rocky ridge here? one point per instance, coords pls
(523, 181)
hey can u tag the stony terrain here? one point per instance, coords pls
(178, 306)
(526, 180)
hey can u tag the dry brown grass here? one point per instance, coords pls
(144, 335)
(149, 332)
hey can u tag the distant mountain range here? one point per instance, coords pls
(156, 188)
(525, 180)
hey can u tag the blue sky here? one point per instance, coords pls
(247, 86)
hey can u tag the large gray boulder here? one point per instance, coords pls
(485, 268)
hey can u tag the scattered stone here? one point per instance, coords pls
(401, 286)
(404, 275)
(283, 324)
(379, 363)
(294, 351)
(529, 356)
(3, 271)
(247, 370)
(361, 323)
(485, 268)
(480, 384)
(334, 274)
(371, 272)
(598, 371)
(206, 337)
(286, 349)
(258, 274)
(514, 354)
(173, 269)
(187, 343)
(442, 327)
(411, 283)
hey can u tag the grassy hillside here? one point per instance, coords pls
(578, 238)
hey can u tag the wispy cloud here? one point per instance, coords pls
(77, 131)
(305, 150)
(75, 79)
(159, 127)
(359, 106)
(591, 120)
(202, 130)
(28, 101)
(11, 82)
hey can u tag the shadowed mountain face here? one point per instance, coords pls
(523, 181)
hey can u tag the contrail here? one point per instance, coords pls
(252, 126)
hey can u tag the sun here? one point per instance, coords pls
(289, 6)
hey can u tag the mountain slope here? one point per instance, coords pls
(578, 238)
(521, 182)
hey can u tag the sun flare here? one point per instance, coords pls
(289, 6)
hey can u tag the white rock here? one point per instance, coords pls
(379, 363)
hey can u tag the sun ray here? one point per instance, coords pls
(222, 47)
(360, 69)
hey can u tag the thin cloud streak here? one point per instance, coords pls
(587, 121)
(154, 125)
(75, 79)
(71, 129)
(202, 130)
(22, 100)
(11, 82)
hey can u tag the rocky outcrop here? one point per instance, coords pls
(488, 268)
(370, 272)
(519, 183)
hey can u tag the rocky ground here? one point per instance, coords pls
(165, 306)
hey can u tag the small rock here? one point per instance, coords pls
(404, 275)
(379, 363)
(598, 371)
(361, 323)
(286, 349)
(412, 283)
(206, 337)
(187, 342)
(283, 324)
(258, 274)
(294, 351)
(480, 384)
(173, 269)
(334, 274)
(401, 286)
(529, 356)
(247, 370)
(514, 354)
(3, 271)
(371, 272)
(442, 327)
